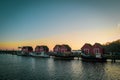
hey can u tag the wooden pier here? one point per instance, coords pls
(112, 57)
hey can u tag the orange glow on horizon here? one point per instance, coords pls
(74, 39)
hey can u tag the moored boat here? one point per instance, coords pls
(67, 56)
(41, 55)
(85, 57)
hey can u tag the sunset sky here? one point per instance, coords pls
(51, 22)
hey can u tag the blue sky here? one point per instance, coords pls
(59, 21)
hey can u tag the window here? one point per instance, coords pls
(96, 50)
(86, 51)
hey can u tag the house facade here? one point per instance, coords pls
(62, 48)
(95, 49)
(57, 48)
(65, 48)
(87, 48)
(41, 48)
(27, 49)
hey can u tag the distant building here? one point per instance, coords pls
(41, 48)
(27, 49)
(57, 48)
(87, 48)
(96, 48)
(62, 48)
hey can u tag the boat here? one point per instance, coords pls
(63, 56)
(41, 55)
(95, 58)
(23, 54)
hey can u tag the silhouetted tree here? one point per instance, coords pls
(112, 46)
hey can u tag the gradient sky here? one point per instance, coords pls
(73, 22)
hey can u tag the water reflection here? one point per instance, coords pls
(92, 71)
(29, 68)
(33, 63)
(112, 71)
(51, 65)
(76, 69)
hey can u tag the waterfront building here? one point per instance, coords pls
(87, 48)
(62, 48)
(41, 48)
(27, 49)
(97, 48)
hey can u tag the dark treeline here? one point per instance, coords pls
(8, 51)
(112, 47)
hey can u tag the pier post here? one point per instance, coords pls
(113, 58)
(78, 57)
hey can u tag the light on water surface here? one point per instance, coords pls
(15, 67)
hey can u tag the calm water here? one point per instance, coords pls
(13, 67)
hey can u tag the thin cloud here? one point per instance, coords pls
(118, 26)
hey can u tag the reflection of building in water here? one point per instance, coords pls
(51, 67)
(33, 63)
(93, 71)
